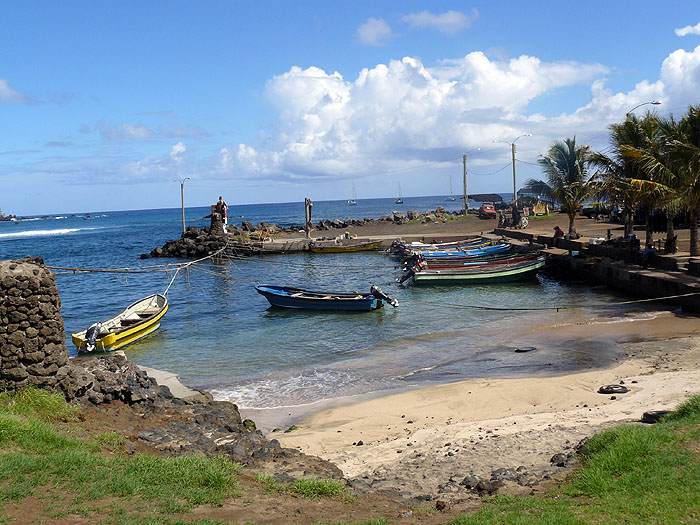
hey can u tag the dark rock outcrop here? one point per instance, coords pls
(193, 243)
(197, 426)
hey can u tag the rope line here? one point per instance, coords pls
(138, 269)
(171, 281)
(563, 307)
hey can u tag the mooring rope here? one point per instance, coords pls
(137, 269)
(171, 281)
(557, 308)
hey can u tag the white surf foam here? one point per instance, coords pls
(284, 392)
(40, 233)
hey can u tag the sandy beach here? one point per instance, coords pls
(423, 442)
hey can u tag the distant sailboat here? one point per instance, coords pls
(400, 199)
(353, 201)
(452, 195)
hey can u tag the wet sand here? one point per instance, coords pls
(417, 440)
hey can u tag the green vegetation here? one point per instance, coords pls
(38, 404)
(34, 455)
(653, 163)
(308, 488)
(630, 474)
(566, 167)
(111, 440)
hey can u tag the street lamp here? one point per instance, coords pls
(465, 197)
(653, 103)
(182, 198)
(512, 147)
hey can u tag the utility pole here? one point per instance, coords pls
(182, 198)
(515, 187)
(512, 150)
(465, 197)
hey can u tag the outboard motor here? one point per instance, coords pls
(377, 292)
(93, 333)
(406, 275)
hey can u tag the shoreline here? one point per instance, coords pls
(595, 351)
(417, 441)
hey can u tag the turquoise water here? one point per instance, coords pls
(221, 335)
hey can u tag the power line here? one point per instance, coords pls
(492, 173)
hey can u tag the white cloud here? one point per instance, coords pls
(688, 30)
(404, 114)
(177, 151)
(125, 132)
(138, 131)
(449, 22)
(9, 95)
(374, 32)
(402, 110)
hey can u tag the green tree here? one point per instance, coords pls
(620, 179)
(676, 164)
(566, 168)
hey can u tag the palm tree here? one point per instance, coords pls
(677, 164)
(566, 168)
(620, 178)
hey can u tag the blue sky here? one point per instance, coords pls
(102, 104)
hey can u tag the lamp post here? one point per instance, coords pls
(512, 148)
(465, 196)
(182, 198)
(652, 102)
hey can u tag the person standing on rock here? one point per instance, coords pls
(221, 208)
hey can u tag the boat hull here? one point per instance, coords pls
(121, 335)
(478, 252)
(339, 248)
(501, 275)
(284, 297)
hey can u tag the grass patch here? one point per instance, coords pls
(316, 488)
(630, 474)
(37, 403)
(308, 488)
(36, 455)
(112, 440)
(270, 483)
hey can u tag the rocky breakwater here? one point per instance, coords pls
(32, 343)
(194, 243)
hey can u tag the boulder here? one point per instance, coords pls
(247, 226)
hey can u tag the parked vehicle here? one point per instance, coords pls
(487, 211)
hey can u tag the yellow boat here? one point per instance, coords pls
(343, 248)
(139, 319)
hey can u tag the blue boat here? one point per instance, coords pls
(486, 250)
(288, 297)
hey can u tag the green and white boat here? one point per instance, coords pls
(497, 274)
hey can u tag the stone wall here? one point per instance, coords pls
(32, 341)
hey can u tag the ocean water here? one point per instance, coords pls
(220, 335)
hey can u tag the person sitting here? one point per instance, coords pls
(558, 234)
(647, 255)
